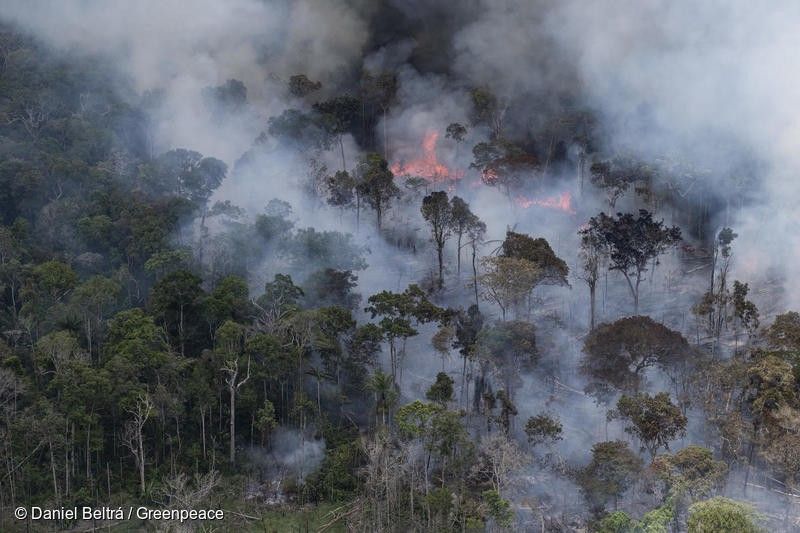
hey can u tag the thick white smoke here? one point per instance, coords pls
(716, 82)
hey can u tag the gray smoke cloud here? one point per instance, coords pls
(716, 82)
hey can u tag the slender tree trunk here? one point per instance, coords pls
(475, 276)
(53, 470)
(592, 298)
(141, 458)
(88, 452)
(203, 430)
(458, 254)
(180, 331)
(358, 211)
(341, 147)
(232, 450)
(89, 336)
(385, 137)
(634, 291)
(440, 252)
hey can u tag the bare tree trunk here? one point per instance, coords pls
(53, 470)
(440, 251)
(458, 254)
(232, 368)
(141, 459)
(232, 448)
(203, 428)
(475, 275)
(341, 147)
(180, 331)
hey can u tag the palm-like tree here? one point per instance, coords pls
(383, 387)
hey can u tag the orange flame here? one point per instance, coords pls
(427, 165)
(562, 202)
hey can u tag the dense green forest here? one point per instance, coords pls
(413, 299)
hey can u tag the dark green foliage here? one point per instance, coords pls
(341, 189)
(299, 129)
(456, 131)
(441, 391)
(376, 184)
(542, 429)
(721, 515)
(617, 354)
(162, 346)
(438, 213)
(177, 299)
(510, 344)
(538, 252)
(633, 243)
(325, 249)
(616, 522)
(610, 473)
(340, 114)
(331, 287)
(300, 85)
(654, 420)
(336, 480)
(617, 175)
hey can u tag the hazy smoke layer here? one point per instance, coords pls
(716, 82)
(711, 84)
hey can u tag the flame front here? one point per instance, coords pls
(562, 202)
(427, 165)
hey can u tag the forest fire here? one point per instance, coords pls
(427, 165)
(562, 202)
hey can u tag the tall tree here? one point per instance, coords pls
(230, 346)
(133, 434)
(177, 299)
(610, 473)
(654, 420)
(591, 255)
(744, 312)
(721, 515)
(376, 184)
(475, 232)
(457, 132)
(507, 281)
(538, 251)
(399, 311)
(618, 353)
(503, 163)
(339, 116)
(438, 213)
(381, 90)
(487, 110)
(462, 218)
(616, 176)
(468, 326)
(633, 243)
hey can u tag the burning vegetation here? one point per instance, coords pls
(562, 202)
(428, 271)
(427, 165)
